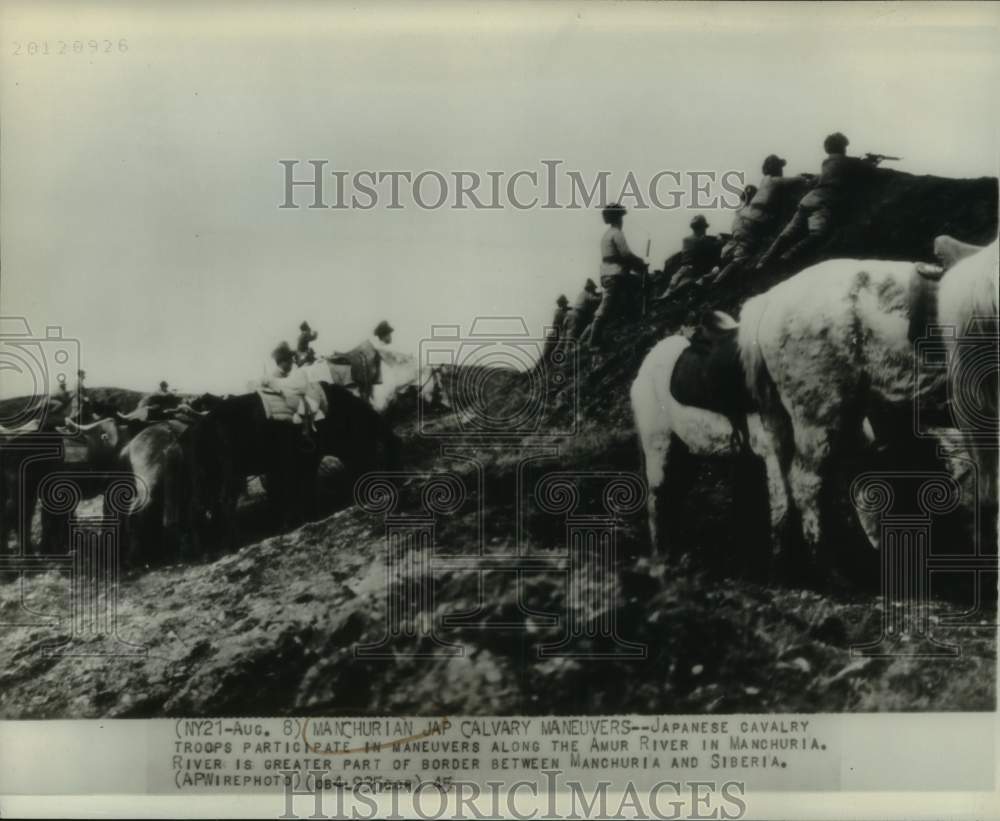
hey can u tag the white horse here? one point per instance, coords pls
(825, 347)
(967, 303)
(403, 376)
(821, 352)
(668, 429)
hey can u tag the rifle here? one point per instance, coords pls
(877, 158)
(645, 275)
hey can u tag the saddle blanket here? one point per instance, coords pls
(283, 403)
(709, 375)
(319, 371)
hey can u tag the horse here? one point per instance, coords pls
(831, 346)
(398, 377)
(967, 306)
(163, 512)
(671, 431)
(403, 379)
(359, 369)
(235, 439)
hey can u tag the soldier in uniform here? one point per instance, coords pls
(304, 353)
(758, 218)
(383, 332)
(617, 262)
(366, 364)
(821, 207)
(284, 360)
(555, 334)
(159, 402)
(80, 408)
(741, 230)
(699, 255)
(578, 318)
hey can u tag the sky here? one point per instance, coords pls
(140, 186)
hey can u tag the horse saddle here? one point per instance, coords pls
(292, 405)
(363, 362)
(709, 374)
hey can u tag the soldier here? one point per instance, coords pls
(304, 354)
(556, 332)
(699, 255)
(366, 363)
(63, 395)
(578, 317)
(757, 219)
(741, 230)
(617, 262)
(284, 360)
(817, 211)
(159, 402)
(80, 409)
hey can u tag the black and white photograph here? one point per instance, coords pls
(461, 392)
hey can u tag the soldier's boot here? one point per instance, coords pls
(677, 282)
(771, 253)
(730, 269)
(596, 336)
(802, 248)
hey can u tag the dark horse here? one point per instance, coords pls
(235, 440)
(356, 433)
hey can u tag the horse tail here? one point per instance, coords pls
(758, 379)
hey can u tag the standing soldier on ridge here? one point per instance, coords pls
(556, 332)
(284, 360)
(617, 262)
(80, 405)
(304, 354)
(578, 317)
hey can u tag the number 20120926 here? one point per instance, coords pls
(31, 48)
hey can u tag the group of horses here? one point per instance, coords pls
(178, 473)
(819, 366)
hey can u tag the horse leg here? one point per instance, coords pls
(986, 491)
(653, 453)
(752, 494)
(668, 476)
